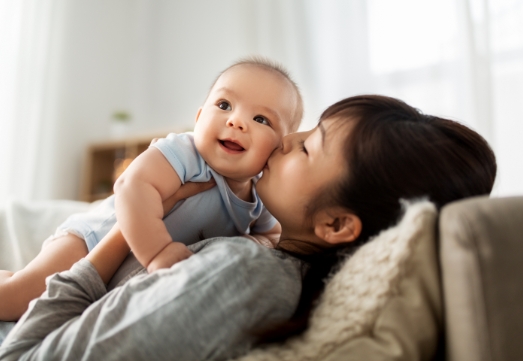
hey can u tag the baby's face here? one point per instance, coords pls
(246, 115)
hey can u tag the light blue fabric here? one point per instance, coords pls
(215, 213)
(208, 307)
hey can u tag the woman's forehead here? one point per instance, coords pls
(336, 126)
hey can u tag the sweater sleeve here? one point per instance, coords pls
(207, 307)
(67, 296)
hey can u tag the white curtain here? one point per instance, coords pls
(461, 59)
(27, 96)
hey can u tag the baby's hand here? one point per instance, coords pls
(173, 253)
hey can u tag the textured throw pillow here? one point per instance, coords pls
(383, 304)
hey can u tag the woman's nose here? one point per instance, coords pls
(290, 141)
(236, 122)
(286, 143)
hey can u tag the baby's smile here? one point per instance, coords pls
(231, 146)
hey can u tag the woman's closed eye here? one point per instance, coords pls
(261, 119)
(223, 105)
(301, 143)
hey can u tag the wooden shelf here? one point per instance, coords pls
(105, 161)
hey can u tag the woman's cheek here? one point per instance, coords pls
(290, 169)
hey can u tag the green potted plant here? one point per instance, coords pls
(120, 121)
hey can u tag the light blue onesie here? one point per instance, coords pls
(217, 212)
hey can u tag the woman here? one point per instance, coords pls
(331, 188)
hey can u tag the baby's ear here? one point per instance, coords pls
(198, 114)
(337, 226)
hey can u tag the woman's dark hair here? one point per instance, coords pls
(393, 152)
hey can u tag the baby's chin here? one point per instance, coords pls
(234, 174)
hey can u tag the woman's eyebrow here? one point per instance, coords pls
(322, 130)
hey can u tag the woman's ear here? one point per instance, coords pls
(337, 226)
(198, 114)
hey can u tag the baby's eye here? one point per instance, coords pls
(261, 120)
(224, 105)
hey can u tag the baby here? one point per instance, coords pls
(250, 107)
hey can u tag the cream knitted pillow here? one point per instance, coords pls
(384, 302)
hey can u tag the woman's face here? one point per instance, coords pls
(306, 163)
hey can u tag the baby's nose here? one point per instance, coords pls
(236, 123)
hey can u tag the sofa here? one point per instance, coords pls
(437, 286)
(480, 252)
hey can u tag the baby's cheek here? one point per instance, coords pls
(268, 147)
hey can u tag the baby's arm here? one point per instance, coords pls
(107, 256)
(140, 190)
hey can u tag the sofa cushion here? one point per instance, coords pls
(482, 268)
(383, 304)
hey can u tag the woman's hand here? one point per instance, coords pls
(109, 254)
(173, 253)
(186, 190)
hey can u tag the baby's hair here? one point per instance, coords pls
(279, 69)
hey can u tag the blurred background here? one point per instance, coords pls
(78, 72)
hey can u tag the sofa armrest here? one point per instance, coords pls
(481, 255)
